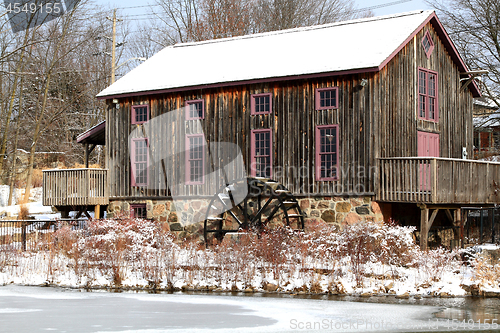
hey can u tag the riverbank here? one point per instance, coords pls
(363, 259)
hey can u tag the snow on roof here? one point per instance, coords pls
(486, 102)
(342, 46)
(490, 120)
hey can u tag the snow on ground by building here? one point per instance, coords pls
(35, 205)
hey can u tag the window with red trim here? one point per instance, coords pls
(195, 109)
(138, 211)
(327, 159)
(195, 159)
(261, 153)
(140, 114)
(428, 44)
(140, 161)
(428, 95)
(327, 98)
(261, 104)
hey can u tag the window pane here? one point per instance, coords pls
(426, 43)
(327, 152)
(140, 114)
(262, 153)
(195, 110)
(421, 106)
(432, 85)
(195, 159)
(422, 82)
(262, 104)
(328, 98)
(140, 161)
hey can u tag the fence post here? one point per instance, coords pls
(23, 234)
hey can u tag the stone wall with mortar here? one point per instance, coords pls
(318, 211)
(339, 211)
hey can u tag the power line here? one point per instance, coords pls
(388, 4)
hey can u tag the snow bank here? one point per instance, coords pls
(136, 254)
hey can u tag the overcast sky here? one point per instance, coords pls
(391, 6)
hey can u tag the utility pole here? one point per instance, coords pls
(113, 46)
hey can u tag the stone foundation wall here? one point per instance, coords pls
(318, 211)
(339, 211)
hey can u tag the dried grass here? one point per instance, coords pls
(114, 248)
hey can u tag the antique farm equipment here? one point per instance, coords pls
(252, 205)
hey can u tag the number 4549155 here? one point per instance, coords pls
(471, 324)
(32, 8)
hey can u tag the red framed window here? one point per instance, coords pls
(428, 44)
(138, 211)
(261, 153)
(195, 109)
(195, 159)
(261, 104)
(140, 114)
(140, 161)
(327, 98)
(327, 157)
(428, 95)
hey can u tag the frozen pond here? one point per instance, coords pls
(38, 309)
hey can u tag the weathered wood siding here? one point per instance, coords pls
(293, 121)
(396, 102)
(376, 121)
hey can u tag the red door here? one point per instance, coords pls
(428, 146)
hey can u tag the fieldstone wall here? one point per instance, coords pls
(339, 211)
(187, 220)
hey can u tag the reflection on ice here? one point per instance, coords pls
(77, 311)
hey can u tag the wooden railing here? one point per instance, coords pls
(438, 180)
(75, 187)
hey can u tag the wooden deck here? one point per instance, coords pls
(75, 187)
(434, 180)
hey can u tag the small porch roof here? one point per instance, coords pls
(95, 135)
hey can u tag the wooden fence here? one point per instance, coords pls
(438, 180)
(32, 234)
(75, 187)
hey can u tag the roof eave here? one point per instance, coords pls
(242, 82)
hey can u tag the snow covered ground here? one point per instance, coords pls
(35, 205)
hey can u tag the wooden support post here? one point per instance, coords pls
(493, 225)
(88, 150)
(433, 217)
(97, 212)
(462, 223)
(87, 153)
(424, 232)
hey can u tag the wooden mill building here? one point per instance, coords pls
(367, 119)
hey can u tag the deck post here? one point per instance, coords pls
(424, 231)
(493, 225)
(97, 212)
(462, 222)
(481, 227)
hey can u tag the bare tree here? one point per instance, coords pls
(474, 26)
(196, 20)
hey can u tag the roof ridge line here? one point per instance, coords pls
(299, 29)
